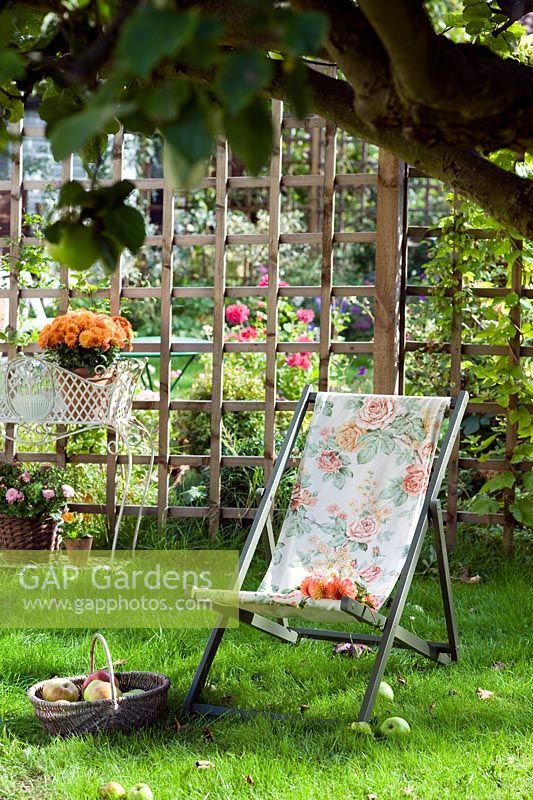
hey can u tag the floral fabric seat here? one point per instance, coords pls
(354, 507)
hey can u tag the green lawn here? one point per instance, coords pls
(460, 747)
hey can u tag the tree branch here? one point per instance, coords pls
(468, 81)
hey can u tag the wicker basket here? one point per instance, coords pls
(37, 533)
(103, 715)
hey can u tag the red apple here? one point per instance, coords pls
(99, 675)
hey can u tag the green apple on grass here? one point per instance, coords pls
(395, 726)
(361, 727)
(111, 791)
(385, 692)
(140, 792)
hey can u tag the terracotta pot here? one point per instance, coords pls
(78, 550)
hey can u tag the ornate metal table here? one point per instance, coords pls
(37, 396)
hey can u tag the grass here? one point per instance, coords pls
(460, 747)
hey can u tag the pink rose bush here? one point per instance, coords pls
(305, 315)
(33, 492)
(237, 313)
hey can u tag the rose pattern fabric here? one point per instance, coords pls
(353, 511)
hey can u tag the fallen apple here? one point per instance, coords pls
(385, 692)
(141, 791)
(361, 727)
(99, 690)
(60, 689)
(395, 726)
(133, 693)
(99, 675)
(111, 790)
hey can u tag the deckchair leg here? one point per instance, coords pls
(202, 672)
(445, 580)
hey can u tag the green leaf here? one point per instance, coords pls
(250, 135)
(109, 197)
(502, 480)
(522, 511)
(72, 193)
(127, 225)
(305, 32)
(72, 133)
(527, 480)
(188, 145)
(240, 77)
(298, 87)
(162, 102)
(485, 505)
(152, 34)
(110, 250)
(11, 65)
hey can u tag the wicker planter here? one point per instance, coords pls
(38, 533)
(86, 400)
(121, 713)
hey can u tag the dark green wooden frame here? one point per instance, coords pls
(391, 632)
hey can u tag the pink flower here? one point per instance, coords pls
(415, 480)
(300, 360)
(68, 491)
(375, 552)
(263, 281)
(328, 461)
(247, 335)
(333, 509)
(305, 315)
(303, 338)
(371, 600)
(428, 449)
(26, 477)
(362, 530)
(336, 588)
(237, 313)
(175, 374)
(14, 496)
(377, 412)
(48, 494)
(369, 574)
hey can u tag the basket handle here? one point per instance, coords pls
(105, 647)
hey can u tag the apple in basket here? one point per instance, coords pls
(140, 792)
(134, 693)
(111, 791)
(60, 689)
(99, 675)
(99, 690)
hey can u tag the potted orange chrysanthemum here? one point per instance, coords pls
(86, 342)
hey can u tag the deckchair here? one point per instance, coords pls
(366, 490)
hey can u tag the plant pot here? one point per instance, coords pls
(78, 550)
(85, 400)
(37, 533)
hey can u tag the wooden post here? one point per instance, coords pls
(215, 461)
(389, 239)
(330, 150)
(164, 362)
(274, 208)
(511, 435)
(455, 388)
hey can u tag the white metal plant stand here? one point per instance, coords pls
(36, 396)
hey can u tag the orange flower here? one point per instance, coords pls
(68, 517)
(88, 329)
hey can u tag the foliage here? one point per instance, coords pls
(28, 491)
(459, 265)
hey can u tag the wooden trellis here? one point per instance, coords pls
(389, 294)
